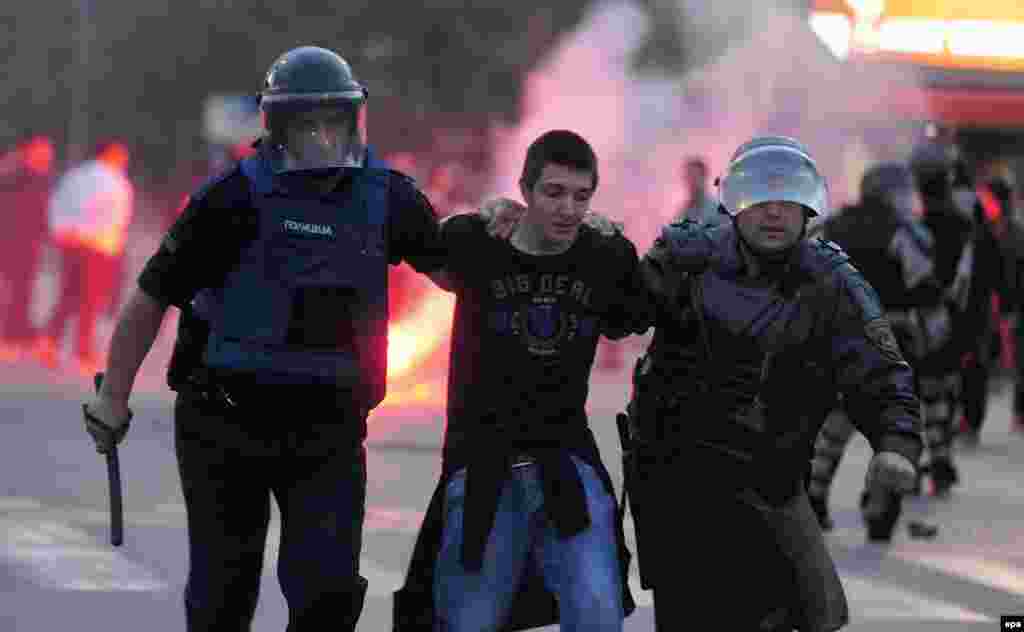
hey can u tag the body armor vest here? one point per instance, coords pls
(307, 302)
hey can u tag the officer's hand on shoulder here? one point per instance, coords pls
(603, 224)
(891, 471)
(107, 422)
(501, 215)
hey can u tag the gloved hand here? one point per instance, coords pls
(107, 422)
(891, 471)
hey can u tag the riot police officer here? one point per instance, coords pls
(895, 253)
(759, 330)
(956, 257)
(279, 267)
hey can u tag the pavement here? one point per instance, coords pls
(58, 571)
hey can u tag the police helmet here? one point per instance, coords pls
(773, 169)
(884, 179)
(932, 155)
(933, 163)
(314, 110)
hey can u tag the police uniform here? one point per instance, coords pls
(280, 354)
(955, 260)
(730, 396)
(895, 253)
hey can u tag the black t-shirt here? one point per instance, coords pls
(205, 242)
(526, 330)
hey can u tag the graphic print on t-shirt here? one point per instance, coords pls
(545, 311)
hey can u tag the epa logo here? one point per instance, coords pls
(1012, 622)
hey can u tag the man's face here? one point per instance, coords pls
(319, 137)
(558, 201)
(772, 226)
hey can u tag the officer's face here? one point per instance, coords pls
(558, 201)
(318, 136)
(772, 226)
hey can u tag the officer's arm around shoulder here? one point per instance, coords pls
(633, 309)
(454, 230)
(876, 382)
(414, 233)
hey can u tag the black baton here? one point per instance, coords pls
(114, 479)
(628, 463)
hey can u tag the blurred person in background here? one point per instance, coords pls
(279, 268)
(955, 255)
(89, 213)
(25, 183)
(998, 197)
(441, 187)
(988, 301)
(891, 247)
(700, 206)
(759, 331)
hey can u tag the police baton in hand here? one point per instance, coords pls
(629, 464)
(114, 479)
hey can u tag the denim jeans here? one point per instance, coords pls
(582, 571)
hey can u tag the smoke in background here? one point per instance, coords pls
(771, 76)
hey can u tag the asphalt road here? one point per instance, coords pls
(57, 571)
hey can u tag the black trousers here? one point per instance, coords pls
(231, 460)
(731, 574)
(1018, 390)
(673, 611)
(974, 394)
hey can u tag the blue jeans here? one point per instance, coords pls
(582, 571)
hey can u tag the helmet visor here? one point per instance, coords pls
(773, 174)
(325, 137)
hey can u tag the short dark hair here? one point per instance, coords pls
(560, 147)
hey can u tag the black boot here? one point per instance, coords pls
(881, 510)
(820, 507)
(944, 476)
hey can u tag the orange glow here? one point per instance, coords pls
(115, 155)
(1001, 10)
(37, 154)
(425, 394)
(413, 339)
(947, 34)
